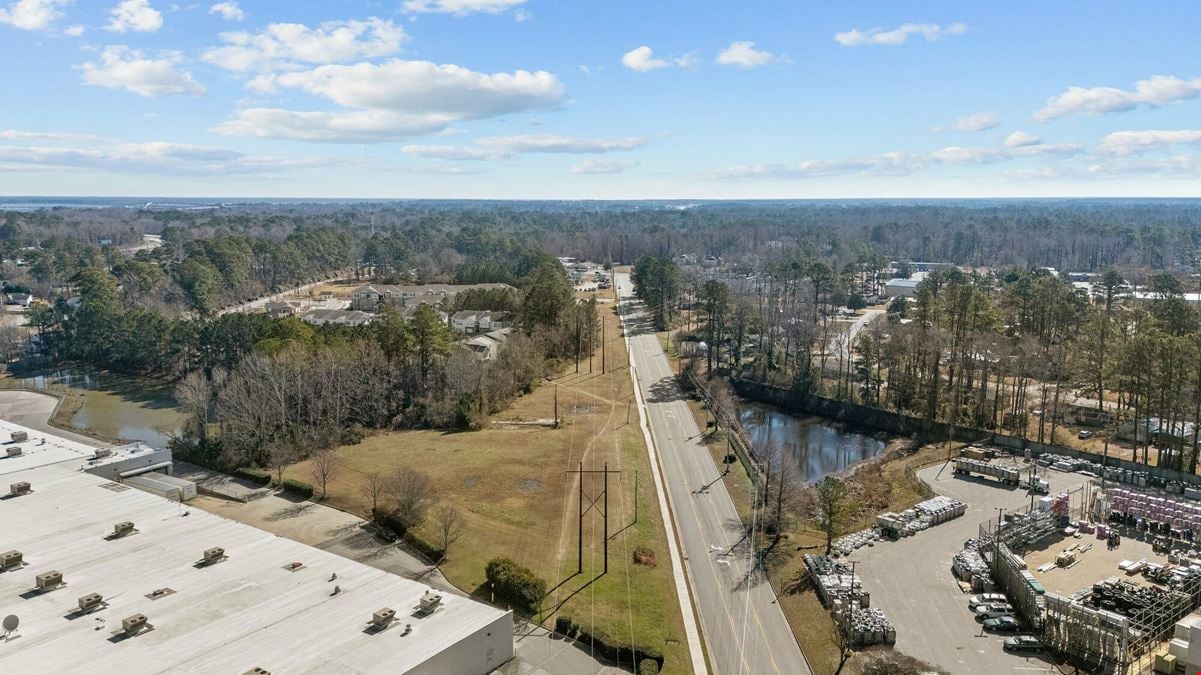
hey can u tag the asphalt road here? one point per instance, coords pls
(911, 580)
(743, 627)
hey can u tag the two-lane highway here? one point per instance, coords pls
(743, 627)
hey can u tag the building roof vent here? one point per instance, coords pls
(122, 529)
(13, 451)
(18, 489)
(11, 560)
(49, 580)
(132, 625)
(212, 556)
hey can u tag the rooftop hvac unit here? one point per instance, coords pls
(20, 436)
(429, 601)
(90, 601)
(10, 559)
(13, 451)
(383, 617)
(21, 488)
(47, 580)
(214, 554)
(123, 528)
(133, 624)
(101, 453)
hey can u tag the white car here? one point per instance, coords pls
(985, 599)
(993, 610)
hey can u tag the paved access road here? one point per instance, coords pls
(744, 629)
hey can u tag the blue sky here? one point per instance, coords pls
(589, 99)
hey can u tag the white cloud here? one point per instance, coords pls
(285, 45)
(1021, 139)
(981, 121)
(743, 53)
(31, 14)
(1188, 166)
(1155, 92)
(899, 35)
(551, 143)
(460, 7)
(896, 163)
(595, 165)
(134, 15)
(230, 11)
(64, 137)
(156, 158)
(453, 152)
(120, 67)
(642, 59)
(1136, 142)
(507, 147)
(392, 100)
(75, 30)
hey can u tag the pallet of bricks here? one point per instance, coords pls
(1072, 464)
(1172, 516)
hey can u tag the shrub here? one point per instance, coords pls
(298, 488)
(648, 667)
(256, 476)
(516, 583)
(563, 624)
(388, 520)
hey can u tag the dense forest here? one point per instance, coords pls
(141, 291)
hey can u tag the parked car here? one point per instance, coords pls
(1001, 624)
(985, 599)
(1022, 643)
(993, 610)
(1084, 434)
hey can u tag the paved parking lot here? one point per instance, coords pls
(911, 580)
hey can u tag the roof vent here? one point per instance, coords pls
(212, 556)
(101, 453)
(121, 529)
(20, 436)
(429, 602)
(49, 580)
(257, 671)
(18, 489)
(383, 617)
(132, 625)
(13, 451)
(11, 559)
(90, 602)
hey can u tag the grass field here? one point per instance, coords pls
(519, 501)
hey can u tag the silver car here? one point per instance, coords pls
(994, 610)
(985, 599)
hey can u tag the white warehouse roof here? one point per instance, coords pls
(244, 612)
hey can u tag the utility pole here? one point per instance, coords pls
(591, 336)
(556, 404)
(635, 495)
(602, 344)
(603, 498)
(578, 340)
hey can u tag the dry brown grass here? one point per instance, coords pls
(519, 501)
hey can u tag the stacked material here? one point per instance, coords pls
(834, 580)
(1147, 606)
(1066, 463)
(870, 627)
(940, 509)
(1006, 474)
(1168, 515)
(851, 542)
(969, 565)
(911, 521)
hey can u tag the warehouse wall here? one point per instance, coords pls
(477, 654)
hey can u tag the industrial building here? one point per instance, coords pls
(106, 576)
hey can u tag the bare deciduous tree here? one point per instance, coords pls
(450, 527)
(412, 493)
(325, 463)
(279, 455)
(375, 489)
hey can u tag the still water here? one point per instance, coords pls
(817, 446)
(132, 409)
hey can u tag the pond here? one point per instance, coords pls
(817, 446)
(130, 408)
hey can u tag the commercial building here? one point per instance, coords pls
(901, 288)
(108, 577)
